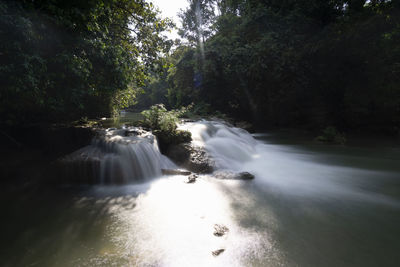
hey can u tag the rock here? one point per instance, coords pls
(217, 252)
(30, 151)
(245, 125)
(190, 157)
(167, 138)
(200, 161)
(53, 140)
(192, 179)
(228, 175)
(245, 176)
(179, 153)
(175, 172)
(220, 229)
(135, 131)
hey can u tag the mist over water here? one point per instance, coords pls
(309, 205)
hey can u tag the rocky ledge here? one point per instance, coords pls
(192, 158)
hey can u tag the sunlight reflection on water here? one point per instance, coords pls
(172, 223)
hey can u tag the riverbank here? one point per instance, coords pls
(29, 151)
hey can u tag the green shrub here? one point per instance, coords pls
(331, 135)
(202, 110)
(159, 118)
(196, 111)
(164, 125)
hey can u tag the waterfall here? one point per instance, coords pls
(229, 147)
(118, 156)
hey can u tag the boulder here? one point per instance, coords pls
(191, 157)
(229, 175)
(192, 179)
(245, 176)
(220, 230)
(217, 252)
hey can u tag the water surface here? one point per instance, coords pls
(309, 205)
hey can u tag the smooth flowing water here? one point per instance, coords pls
(309, 205)
(118, 156)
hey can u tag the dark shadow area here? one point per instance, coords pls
(59, 226)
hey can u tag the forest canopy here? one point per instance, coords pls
(62, 60)
(295, 63)
(308, 64)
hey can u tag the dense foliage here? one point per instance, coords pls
(297, 63)
(307, 63)
(61, 60)
(164, 125)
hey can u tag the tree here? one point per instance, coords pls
(65, 59)
(298, 63)
(197, 20)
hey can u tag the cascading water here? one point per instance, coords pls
(229, 147)
(235, 150)
(120, 156)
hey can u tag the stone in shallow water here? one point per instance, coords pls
(175, 172)
(217, 252)
(220, 229)
(192, 179)
(246, 176)
(228, 175)
(191, 157)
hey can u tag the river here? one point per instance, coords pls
(309, 205)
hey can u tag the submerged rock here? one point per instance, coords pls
(228, 175)
(220, 230)
(217, 252)
(192, 179)
(246, 176)
(191, 157)
(175, 172)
